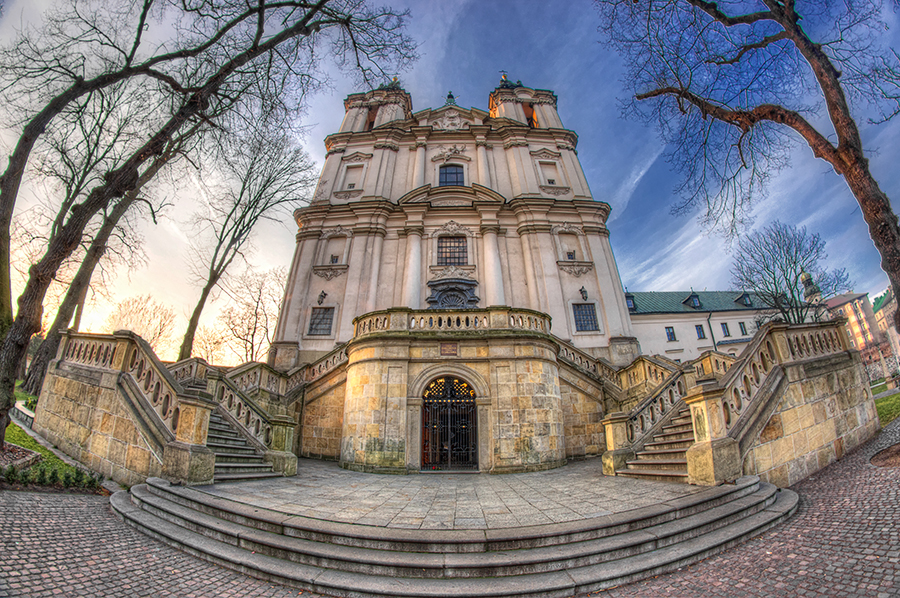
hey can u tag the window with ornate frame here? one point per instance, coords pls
(321, 320)
(585, 315)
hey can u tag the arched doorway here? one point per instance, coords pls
(449, 432)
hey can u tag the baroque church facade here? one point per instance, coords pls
(449, 251)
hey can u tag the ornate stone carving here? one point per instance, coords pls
(451, 121)
(566, 228)
(452, 293)
(450, 202)
(452, 153)
(356, 157)
(514, 143)
(453, 228)
(330, 271)
(483, 143)
(335, 232)
(386, 145)
(566, 146)
(556, 191)
(348, 194)
(452, 272)
(576, 269)
(545, 154)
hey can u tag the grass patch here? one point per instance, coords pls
(880, 387)
(30, 400)
(888, 408)
(17, 435)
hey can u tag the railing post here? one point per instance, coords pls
(618, 447)
(279, 453)
(714, 457)
(187, 459)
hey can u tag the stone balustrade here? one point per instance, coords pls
(189, 369)
(407, 320)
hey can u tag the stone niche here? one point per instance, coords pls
(514, 384)
(452, 293)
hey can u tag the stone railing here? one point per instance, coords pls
(576, 357)
(648, 415)
(450, 320)
(723, 411)
(189, 369)
(257, 376)
(173, 419)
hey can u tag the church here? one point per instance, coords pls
(456, 248)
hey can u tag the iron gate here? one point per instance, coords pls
(449, 440)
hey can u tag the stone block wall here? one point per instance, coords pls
(582, 414)
(321, 420)
(826, 410)
(83, 415)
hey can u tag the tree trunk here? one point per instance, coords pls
(75, 296)
(187, 345)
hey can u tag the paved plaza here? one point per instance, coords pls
(322, 490)
(843, 541)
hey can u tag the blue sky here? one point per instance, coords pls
(555, 45)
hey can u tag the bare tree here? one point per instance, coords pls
(251, 317)
(265, 175)
(151, 320)
(210, 343)
(734, 87)
(770, 264)
(267, 53)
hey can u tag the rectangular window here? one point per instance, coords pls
(725, 331)
(585, 317)
(451, 251)
(670, 334)
(743, 328)
(320, 321)
(700, 332)
(353, 176)
(550, 172)
(570, 255)
(451, 175)
(334, 259)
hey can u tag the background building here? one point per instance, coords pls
(862, 327)
(683, 324)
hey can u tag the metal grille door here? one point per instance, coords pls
(449, 440)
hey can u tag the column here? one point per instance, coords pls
(493, 277)
(534, 302)
(420, 165)
(374, 270)
(412, 288)
(484, 175)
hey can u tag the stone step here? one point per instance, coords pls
(227, 467)
(670, 436)
(662, 475)
(465, 563)
(667, 445)
(670, 428)
(237, 458)
(224, 433)
(225, 440)
(220, 478)
(244, 449)
(657, 464)
(221, 427)
(669, 453)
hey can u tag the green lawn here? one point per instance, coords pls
(888, 408)
(880, 387)
(16, 435)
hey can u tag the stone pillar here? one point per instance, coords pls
(419, 178)
(187, 460)
(414, 433)
(533, 301)
(484, 175)
(412, 288)
(279, 453)
(715, 457)
(493, 276)
(374, 271)
(618, 447)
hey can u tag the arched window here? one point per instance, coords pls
(451, 175)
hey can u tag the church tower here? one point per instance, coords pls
(452, 259)
(453, 208)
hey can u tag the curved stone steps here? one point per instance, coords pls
(550, 560)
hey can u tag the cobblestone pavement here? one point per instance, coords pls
(323, 490)
(844, 541)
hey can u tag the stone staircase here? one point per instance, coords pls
(555, 560)
(664, 458)
(236, 459)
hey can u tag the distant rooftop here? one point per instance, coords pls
(839, 300)
(677, 302)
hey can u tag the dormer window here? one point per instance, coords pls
(451, 175)
(629, 301)
(693, 301)
(746, 300)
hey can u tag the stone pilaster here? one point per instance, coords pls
(714, 457)
(618, 447)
